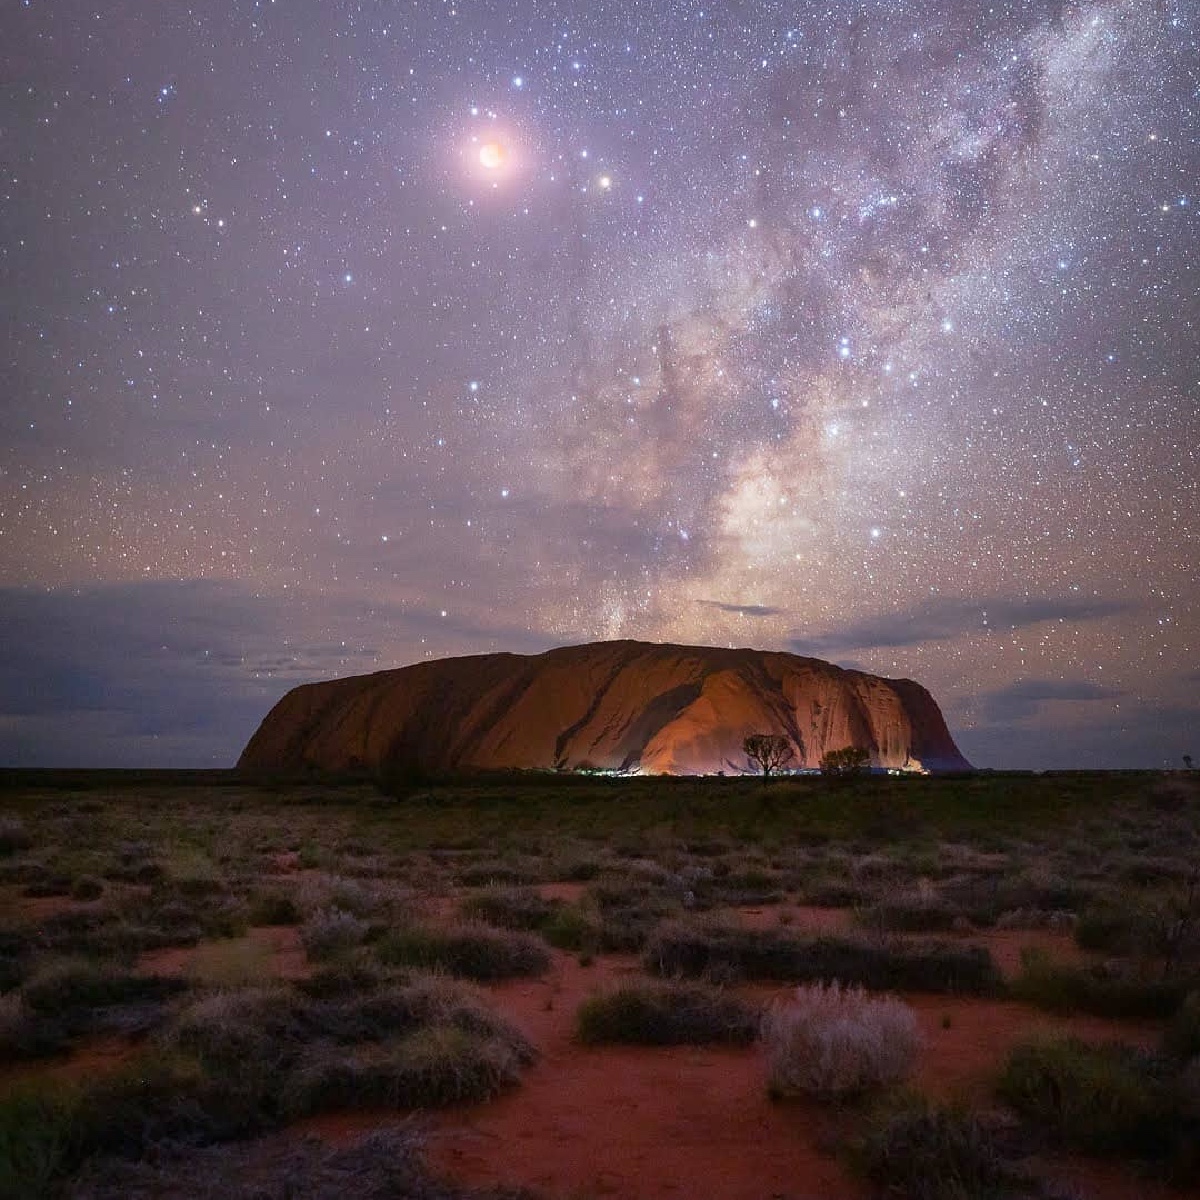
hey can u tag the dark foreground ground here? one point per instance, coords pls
(311, 988)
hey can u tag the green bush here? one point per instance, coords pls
(1108, 927)
(574, 928)
(281, 1053)
(1103, 1099)
(164, 1098)
(64, 988)
(910, 914)
(472, 951)
(383, 1165)
(846, 762)
(432, 1067)
(1064, 989)
(71, 998)
(510, 908)
(38, 1141)
(628, 911)
(732, 952)
(925, 1153)
(274, 906)
(666, 1014)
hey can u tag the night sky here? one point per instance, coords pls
(340, 335)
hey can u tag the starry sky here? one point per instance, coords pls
(340, 335)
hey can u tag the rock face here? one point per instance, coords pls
(658, 709)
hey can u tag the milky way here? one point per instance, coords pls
(341, 335)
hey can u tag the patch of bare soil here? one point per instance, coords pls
(626, 1121)
(278, 948)
(90, 1060)
(804, 918)
(566, 891)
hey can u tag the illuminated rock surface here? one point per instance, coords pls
(616, 705)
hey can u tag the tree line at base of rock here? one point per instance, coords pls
(768, 753)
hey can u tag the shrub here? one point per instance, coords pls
(244, 1032)
(1181, 1041)
(345, 977)
(13, 836)
(340, 892)
(1096, 990)
(1104, 1099)
(285, 1053)
(87, 887)
(330, 931)
(573, 928)
(666, 1014)
(925, 1153)
(1108, 927)
(23, 1035)
(915, 913)
(510, 908)
(274, 906)
(161, 1098)
(490, 874)
(835, 1041)
(846, 762)
(432, 1067)
(38, 1141)
(473, 951)
(626, 908)
(725, 951)
(177, 914)
(68, 989)
(383, 1165)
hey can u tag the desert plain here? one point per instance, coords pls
(566, 986)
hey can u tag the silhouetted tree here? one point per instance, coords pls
(1187, 761)
(767, 752)
(849, 760)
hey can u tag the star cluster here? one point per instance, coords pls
(342, 334)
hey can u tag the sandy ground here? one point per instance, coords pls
(650, 1123)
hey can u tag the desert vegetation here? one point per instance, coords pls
(834, 1041)
(192, 970)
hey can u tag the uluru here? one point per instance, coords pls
(620, 705)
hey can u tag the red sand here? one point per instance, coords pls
(632, 1121)
(647, 1123)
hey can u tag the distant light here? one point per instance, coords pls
(492, 155)
(518, 82)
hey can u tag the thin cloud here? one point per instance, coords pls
(1024, 699)
(180, 673)
(742, 610)
(951, 617)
